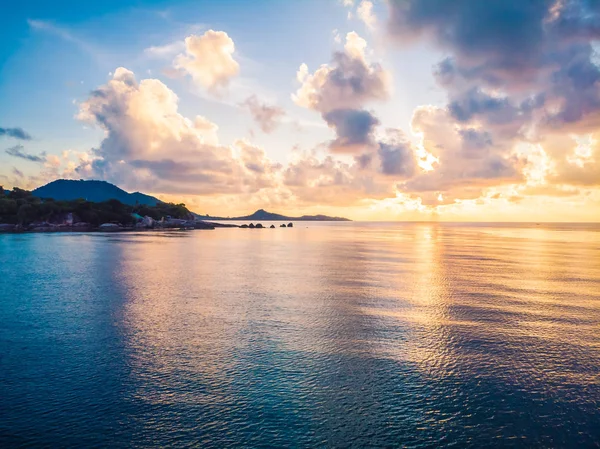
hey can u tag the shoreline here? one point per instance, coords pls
(7, 228)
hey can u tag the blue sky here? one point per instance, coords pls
(56, 55)
(53, 56)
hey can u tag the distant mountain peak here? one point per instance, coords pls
(264, 215)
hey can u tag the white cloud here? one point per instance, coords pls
(150, 146)
(336, 36)
(467, 160)
(349, 81)
(165, 51)
(267, 116)
(365, 13)
(209, 60)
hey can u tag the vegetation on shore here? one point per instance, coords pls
(20, 207)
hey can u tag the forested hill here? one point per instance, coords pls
(96, 191)
(22, 207)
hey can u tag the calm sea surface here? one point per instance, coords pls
(327, 334)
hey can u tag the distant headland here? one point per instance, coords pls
(263, 215)
(71, 205)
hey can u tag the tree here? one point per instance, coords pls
(18, 194)
(24, 214)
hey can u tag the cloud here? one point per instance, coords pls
(477, 104)
(165, 51)
(348, 82)
(354, 129)
(540, 49)
(493, 36)
(518, 75)
(51, 167)
(397, 157)
(209, 60)
(371, 175)
(336, 36)
(466, 159)
(266, 116)
(365, 13)
(17, 151)
(341, 89)
(573, 162)
(314, 180)
(150, 146)
(16, 133)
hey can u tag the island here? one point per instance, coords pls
(263, 215)
(113, 209)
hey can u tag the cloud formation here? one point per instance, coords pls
(268, 117)
(466, 159)
(209, 60)
(396, 155)
(537, 52)
(340, 91)
(365, 13)
(354, 129)
(18, 151)
(521, 80)
(348, 82)
(16, 133)
(150, 145)
(314, 180)
(165, 51)
(521, 116)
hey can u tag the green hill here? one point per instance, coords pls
(95, 191)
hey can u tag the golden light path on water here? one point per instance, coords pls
(336, 333)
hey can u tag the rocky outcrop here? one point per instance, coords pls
(272, 226)
(290, 225)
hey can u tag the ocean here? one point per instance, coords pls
(322, 335)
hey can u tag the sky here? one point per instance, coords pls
(446, 110)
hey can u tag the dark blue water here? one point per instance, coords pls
(339, 335)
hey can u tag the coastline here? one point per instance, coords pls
(117, 228)
(48, 229)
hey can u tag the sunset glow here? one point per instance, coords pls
(383, 110)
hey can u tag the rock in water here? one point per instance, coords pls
(290, 225)
(272, 226)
